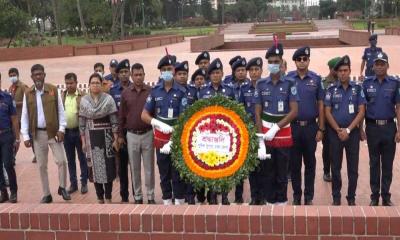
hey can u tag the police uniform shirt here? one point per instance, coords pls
(381, 98)
(167, 105)
(223, 89)
(191, 94)
(310, 91)
(116, 91)
(227, 79)
(344, 103)
(369, 56)
(7, 109)
(275, 99)
(246, 97)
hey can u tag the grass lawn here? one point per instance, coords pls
(380, 23)
(75, 41)
(187, 32)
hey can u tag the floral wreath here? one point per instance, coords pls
(214, 144)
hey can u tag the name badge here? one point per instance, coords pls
(280, 106)
(170, 112)
(351, 108)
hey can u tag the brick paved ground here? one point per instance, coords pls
(28, 178)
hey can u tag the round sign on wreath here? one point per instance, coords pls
(214, 144)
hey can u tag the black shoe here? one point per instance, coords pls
(327, 177)
(13, 197)
(73, 188)
(225, 200)
(201, 198)
(374, 202)
(4, 195)
(239, 200)
(296, 202)
(124, 200)
(84, 188)
(140, 201)
(191, 200)
(308, 202)
(47, 199)
(62, 192)
(151, 201)
(254, 202)
(336, 202)
(213, 200)
(351, 202)
(387, 203)
(289, 177)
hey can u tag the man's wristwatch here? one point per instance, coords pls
(348, 130)
(321, 130)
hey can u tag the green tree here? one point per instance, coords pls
(206, 10)
(327, 8)
(13, 21)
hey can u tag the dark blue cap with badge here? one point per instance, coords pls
(274, 51)
(381, 57)
(344, 61)
(373, 37)
(234, 59)
(303, 51)
(240, 62)
(198, 72)
(202, 56)
(183, 66)
(215, 65)
(166, 60)
(257, 61)
(124, 64)
(113, 63)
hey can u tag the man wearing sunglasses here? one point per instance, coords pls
(306, 131)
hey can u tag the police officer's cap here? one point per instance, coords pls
(124, 64)
(166, 60)
(303, 51)
(234, 59)
(344, 61)
(373, 37)
(202, 56)
(257, 61)
(113, 63)
(241, 62)
(198, 72)
(215, 65)
(274, 51)
(183, 66)
(381, 57)
(333, 61)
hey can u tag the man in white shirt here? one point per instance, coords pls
(43, 118)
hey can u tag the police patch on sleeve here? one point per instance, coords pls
(15, 104)
(328, 96)
(149, 98)
(184, 101)
(293, 90)
(362, 94)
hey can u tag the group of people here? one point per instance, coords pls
(122, 122)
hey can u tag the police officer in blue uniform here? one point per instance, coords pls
(199, 78)
(123, 71)
(344, 110)
(246, 97)
(113, 76)
(239, 72)
(306, 131)
(369, 57)
(9, 145)
(181, 77)
(165, 103)
(203, 60)
(382, 93)
(228, 78)
(276, 106)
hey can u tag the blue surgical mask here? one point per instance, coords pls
(274, 68)
(13, 79)
(167, 76)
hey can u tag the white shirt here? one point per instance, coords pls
(41, 121)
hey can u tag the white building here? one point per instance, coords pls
(214, 3)
(287, 3)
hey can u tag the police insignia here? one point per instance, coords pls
(148, 99)
(328, 96)
(185, 66)
(306, 51)
(218, 65)
(258, 62)
(293, 90)
(184, 101)
(362, 93)
(205, 54)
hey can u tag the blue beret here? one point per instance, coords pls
(124, 64)
(257, 61)
(344, 61)
(203, 55)
(381, 57)
(183, 66)
(373, 37)
(166, 60)
(215, 65)
(274, 51)
(303, 51)
(198, 72)
(113, 63)
(234, 59)
(240, 62)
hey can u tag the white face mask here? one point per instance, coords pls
(13, 79)
(101, 74)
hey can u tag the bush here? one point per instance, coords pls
(139, 31)
(195, 22)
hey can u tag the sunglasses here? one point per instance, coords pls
(302, 59)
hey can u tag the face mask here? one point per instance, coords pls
(274, 68)
(167, 76)
(13, 79)
(101, 74)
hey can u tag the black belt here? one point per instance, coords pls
(304, 123)
(139, 132)
(41, 129)
(379, 122)
(5, 130)
(72, 129)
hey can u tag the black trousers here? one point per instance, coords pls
(382, 149)
(326, 156)
(257, 181)
(103, 190)
(7, 160)
(276, 175)
(352, 147)
(303, 150)
(170, 181)
(124, 173)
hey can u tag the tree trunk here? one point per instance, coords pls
(115, 17)
(132, 11)
(9, 42)
(55, 12)
(83, 26)
(29, 7)
(123, 20)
